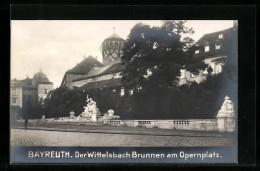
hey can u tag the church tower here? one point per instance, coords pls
(112, 49)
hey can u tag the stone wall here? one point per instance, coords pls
(188, 124)
(191, 124)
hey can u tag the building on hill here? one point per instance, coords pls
(80, 69)
(209, 48)
(108, 75)
(28, 92)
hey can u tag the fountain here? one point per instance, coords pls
(91, 111)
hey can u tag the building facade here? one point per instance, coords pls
(210, 48)
(98, 75)
(28, 92)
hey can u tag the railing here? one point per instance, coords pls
(181, 122)
(114, 122)
(144, 122)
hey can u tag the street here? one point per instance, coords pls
(21, 137)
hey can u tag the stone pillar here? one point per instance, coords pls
(226, 116)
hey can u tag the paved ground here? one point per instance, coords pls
(21, 137)
(65, 127)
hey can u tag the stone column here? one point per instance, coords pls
(226, 116)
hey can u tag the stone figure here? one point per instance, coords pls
(110, 112)
(91, 111)
(226, 116)
(72, 114)
(227, 108)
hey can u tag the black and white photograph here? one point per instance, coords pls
(83, 91)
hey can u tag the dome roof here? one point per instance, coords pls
(114, 37)
(40, 77)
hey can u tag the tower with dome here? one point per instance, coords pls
(112, 49)
(92, 74)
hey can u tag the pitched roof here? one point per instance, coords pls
(27, 83)
(23, 83)
(108, 69)
(213, 37)
(113, 82)
(97, 71)
(212, 40)
(85, 66)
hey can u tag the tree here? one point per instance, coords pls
(154, 56)
(61, 101)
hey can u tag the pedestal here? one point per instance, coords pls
(226, 123)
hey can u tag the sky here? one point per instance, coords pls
(56, 46)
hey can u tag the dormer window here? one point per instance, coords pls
(197, 51)
(220, 36)
(217, 46)
(206, 48)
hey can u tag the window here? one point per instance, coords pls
(122, 92)
(13, 100)
(14, 92)
(45, 91)
(206, 48)
(197, 51)
(217, 46)
(139, 88)
(220, 36)
(131, 92)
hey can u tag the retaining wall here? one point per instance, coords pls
(187, 124)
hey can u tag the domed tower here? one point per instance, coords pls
(42, 83)
(112, 49)
(39, 77)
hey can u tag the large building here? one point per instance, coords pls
(28, 92)
(210, 48)
(94, 75)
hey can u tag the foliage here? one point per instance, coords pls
(163, 51)
(61, 101)
(160, 51)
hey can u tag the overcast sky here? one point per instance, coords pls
(58, 45)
